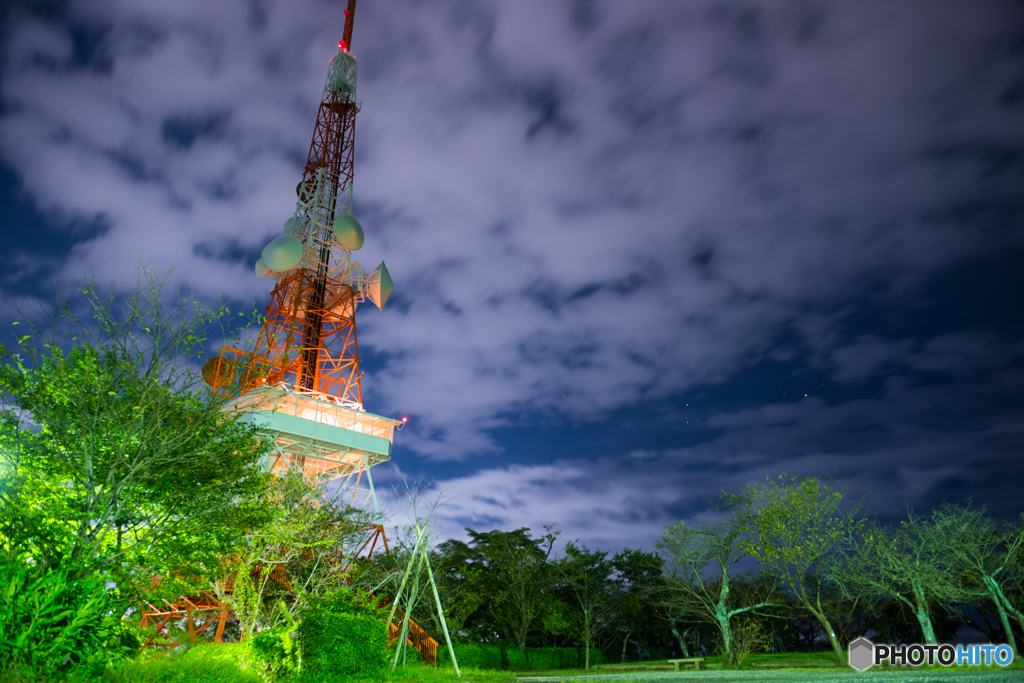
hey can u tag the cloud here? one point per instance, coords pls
(867, 355)
(903, 450)
(582, 209)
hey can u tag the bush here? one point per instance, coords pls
(274, 651)
(51, 623)
(343, 633)
(542, 658)
(536, 659)
(471, 656)
(515, 659)
(596, 657)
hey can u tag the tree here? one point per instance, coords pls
(799, 530)
(700, 559)
(119, 459)
(988, 549)
(919, 563)
(516, 577)
(287, 564)
(459, 583)
(586, 578)
(638, 580)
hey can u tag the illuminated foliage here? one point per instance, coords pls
(117, 460)
(799, 530)
(919, 563)
(700, 559)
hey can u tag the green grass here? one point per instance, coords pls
(228, 664)
(796, 661)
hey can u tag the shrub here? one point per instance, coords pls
(207, 663)
(274, 651)
(343, 633)
(542, 658)
(49, 622)
(596, 657)
(471, 656)
(515, 659)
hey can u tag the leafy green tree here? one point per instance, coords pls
(118, 460)
(799, 532)
(988, 550)
(920, 563)
(638, 579)
(586, 578)
(701, 558)
(510, 573)
(283, 566)
(520, 572)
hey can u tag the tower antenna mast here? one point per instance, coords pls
(346, 35)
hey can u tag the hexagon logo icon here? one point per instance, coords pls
(862, 654)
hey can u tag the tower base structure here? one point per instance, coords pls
(322, 439)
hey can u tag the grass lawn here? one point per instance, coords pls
(227, 664)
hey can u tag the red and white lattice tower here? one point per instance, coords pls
(302, 384)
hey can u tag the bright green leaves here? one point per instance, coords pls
(51, 621)
(121, 458)
(796, 523)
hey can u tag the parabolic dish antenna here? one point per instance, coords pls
(379, 286)
(282, 253)
(261, 267)
(289, 226)
(348, 232)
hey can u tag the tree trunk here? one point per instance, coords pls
(996, 593)
(923, 617)
(826, 625)
(625, 641)
(680, 639)
(726, 628)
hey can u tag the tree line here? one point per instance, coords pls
(785, 565)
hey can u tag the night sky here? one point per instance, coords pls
(644, 252)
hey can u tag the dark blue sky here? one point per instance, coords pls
(643, 251)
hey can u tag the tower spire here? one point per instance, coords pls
(346, 36)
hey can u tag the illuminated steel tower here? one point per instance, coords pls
(302, 384)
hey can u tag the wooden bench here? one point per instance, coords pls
(698, 662)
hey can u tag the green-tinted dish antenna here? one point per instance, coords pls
(289, 226)
(261, 267)
(379, 286)
(348, 232)
(282, 253)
